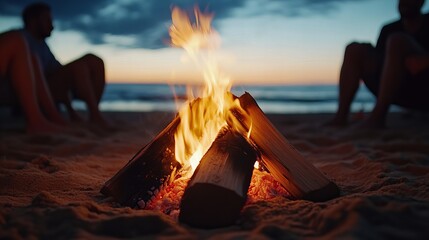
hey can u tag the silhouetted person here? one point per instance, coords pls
(83, 78)
(396, 71)
(20, 71)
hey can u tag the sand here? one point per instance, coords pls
(49, 184)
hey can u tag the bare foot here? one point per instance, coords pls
(75, 117)
(336, 122)
(371, 123)
(59, 120)
(101, 122)
(376, 120)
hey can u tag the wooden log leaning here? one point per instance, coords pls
(283, 161)
(153, 165)
(218, 189)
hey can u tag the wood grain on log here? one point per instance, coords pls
(286, 164)
(218, 188)
(149, 169)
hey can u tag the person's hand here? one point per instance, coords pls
(416, 64)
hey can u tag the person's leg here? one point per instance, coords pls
(44, 96)
(85, 80)
(359, 60)
(16, 64)
(398, 48)
(60, 85)
(98, 78)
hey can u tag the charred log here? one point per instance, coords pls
(218, 189)
(282, 159)
(149, 169)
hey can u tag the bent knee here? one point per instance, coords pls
(358, 47)
(12, 42)
(358, 50)
(12, 36)
(94, 59)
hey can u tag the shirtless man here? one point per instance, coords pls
(396, 71)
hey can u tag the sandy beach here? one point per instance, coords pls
(50, 183)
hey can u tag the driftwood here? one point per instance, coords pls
(149, 169)
(218, 189)
(283, 161)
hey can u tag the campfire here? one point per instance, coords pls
(212, 145)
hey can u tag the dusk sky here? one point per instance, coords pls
(263, 41)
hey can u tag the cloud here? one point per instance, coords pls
(144, 24)
(291, 8)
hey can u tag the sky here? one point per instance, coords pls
(263, 41)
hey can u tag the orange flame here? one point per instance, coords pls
(201, 120)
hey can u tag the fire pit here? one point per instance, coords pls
(211, 146)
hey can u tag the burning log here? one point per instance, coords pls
(283, 161)
(218, 189)
(151, 167)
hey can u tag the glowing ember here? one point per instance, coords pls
(201, 121)
(262, 187)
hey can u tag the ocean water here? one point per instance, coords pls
(272, 98)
